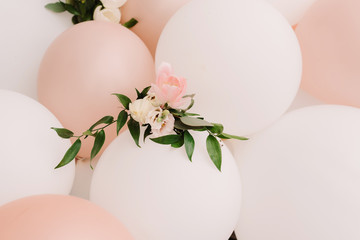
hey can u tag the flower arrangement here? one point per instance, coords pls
(86, 10)
(162, 109)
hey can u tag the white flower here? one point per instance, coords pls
(154, 118)
(140, 109)
(113, 3)
(161, 122)
(153, 99)
(107, 14)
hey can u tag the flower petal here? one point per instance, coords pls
(183, 86)
(159, 94)
(182, 103)
(172, 93)
(165, 69)
(107, 14)
(113, 3)
(167, 127)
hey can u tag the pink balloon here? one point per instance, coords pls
(329, 36)
(152, 16)
(84, 66)
(57, 217)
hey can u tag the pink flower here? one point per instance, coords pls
(169, 88)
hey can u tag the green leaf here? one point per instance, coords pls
(179, 143)
(145, 91)
(82, 8)
(228, 136)
(63, 132)
(195, 122)
(138, 94)
(131, 23)
(189, 144)
(179, 125)
(177, 113)
(222, 136)
(90, 5)
(70, 154)
(190, 105)
(75, 20)
(121, 120)
(216, 129)
(168, 139)
(214, 150)
(134, 128)
(203, 129)
(191, 114)
(189, 95)
(57, 7)
(70, 8)
(88, 133)
(104, 120)
(125, 101)
(147, 132)
(98, 143)
(87, 17)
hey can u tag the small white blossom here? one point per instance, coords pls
(107, 14)
(161, 122)
(113, 3)
(154, 118)
(140, 109)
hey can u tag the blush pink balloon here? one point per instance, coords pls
(152, 16)
(329, 36)
(57, 217)
(84, 66)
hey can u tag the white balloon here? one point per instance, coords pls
(159, 194)
(30, 150)
(301, 177)
(304, 99)
(293, 10)
(241, 58)
(27, 29)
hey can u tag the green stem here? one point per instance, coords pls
(95, 130)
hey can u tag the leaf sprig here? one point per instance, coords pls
(82, 10)
(184, 123)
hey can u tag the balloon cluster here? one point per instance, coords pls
(297, 177)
